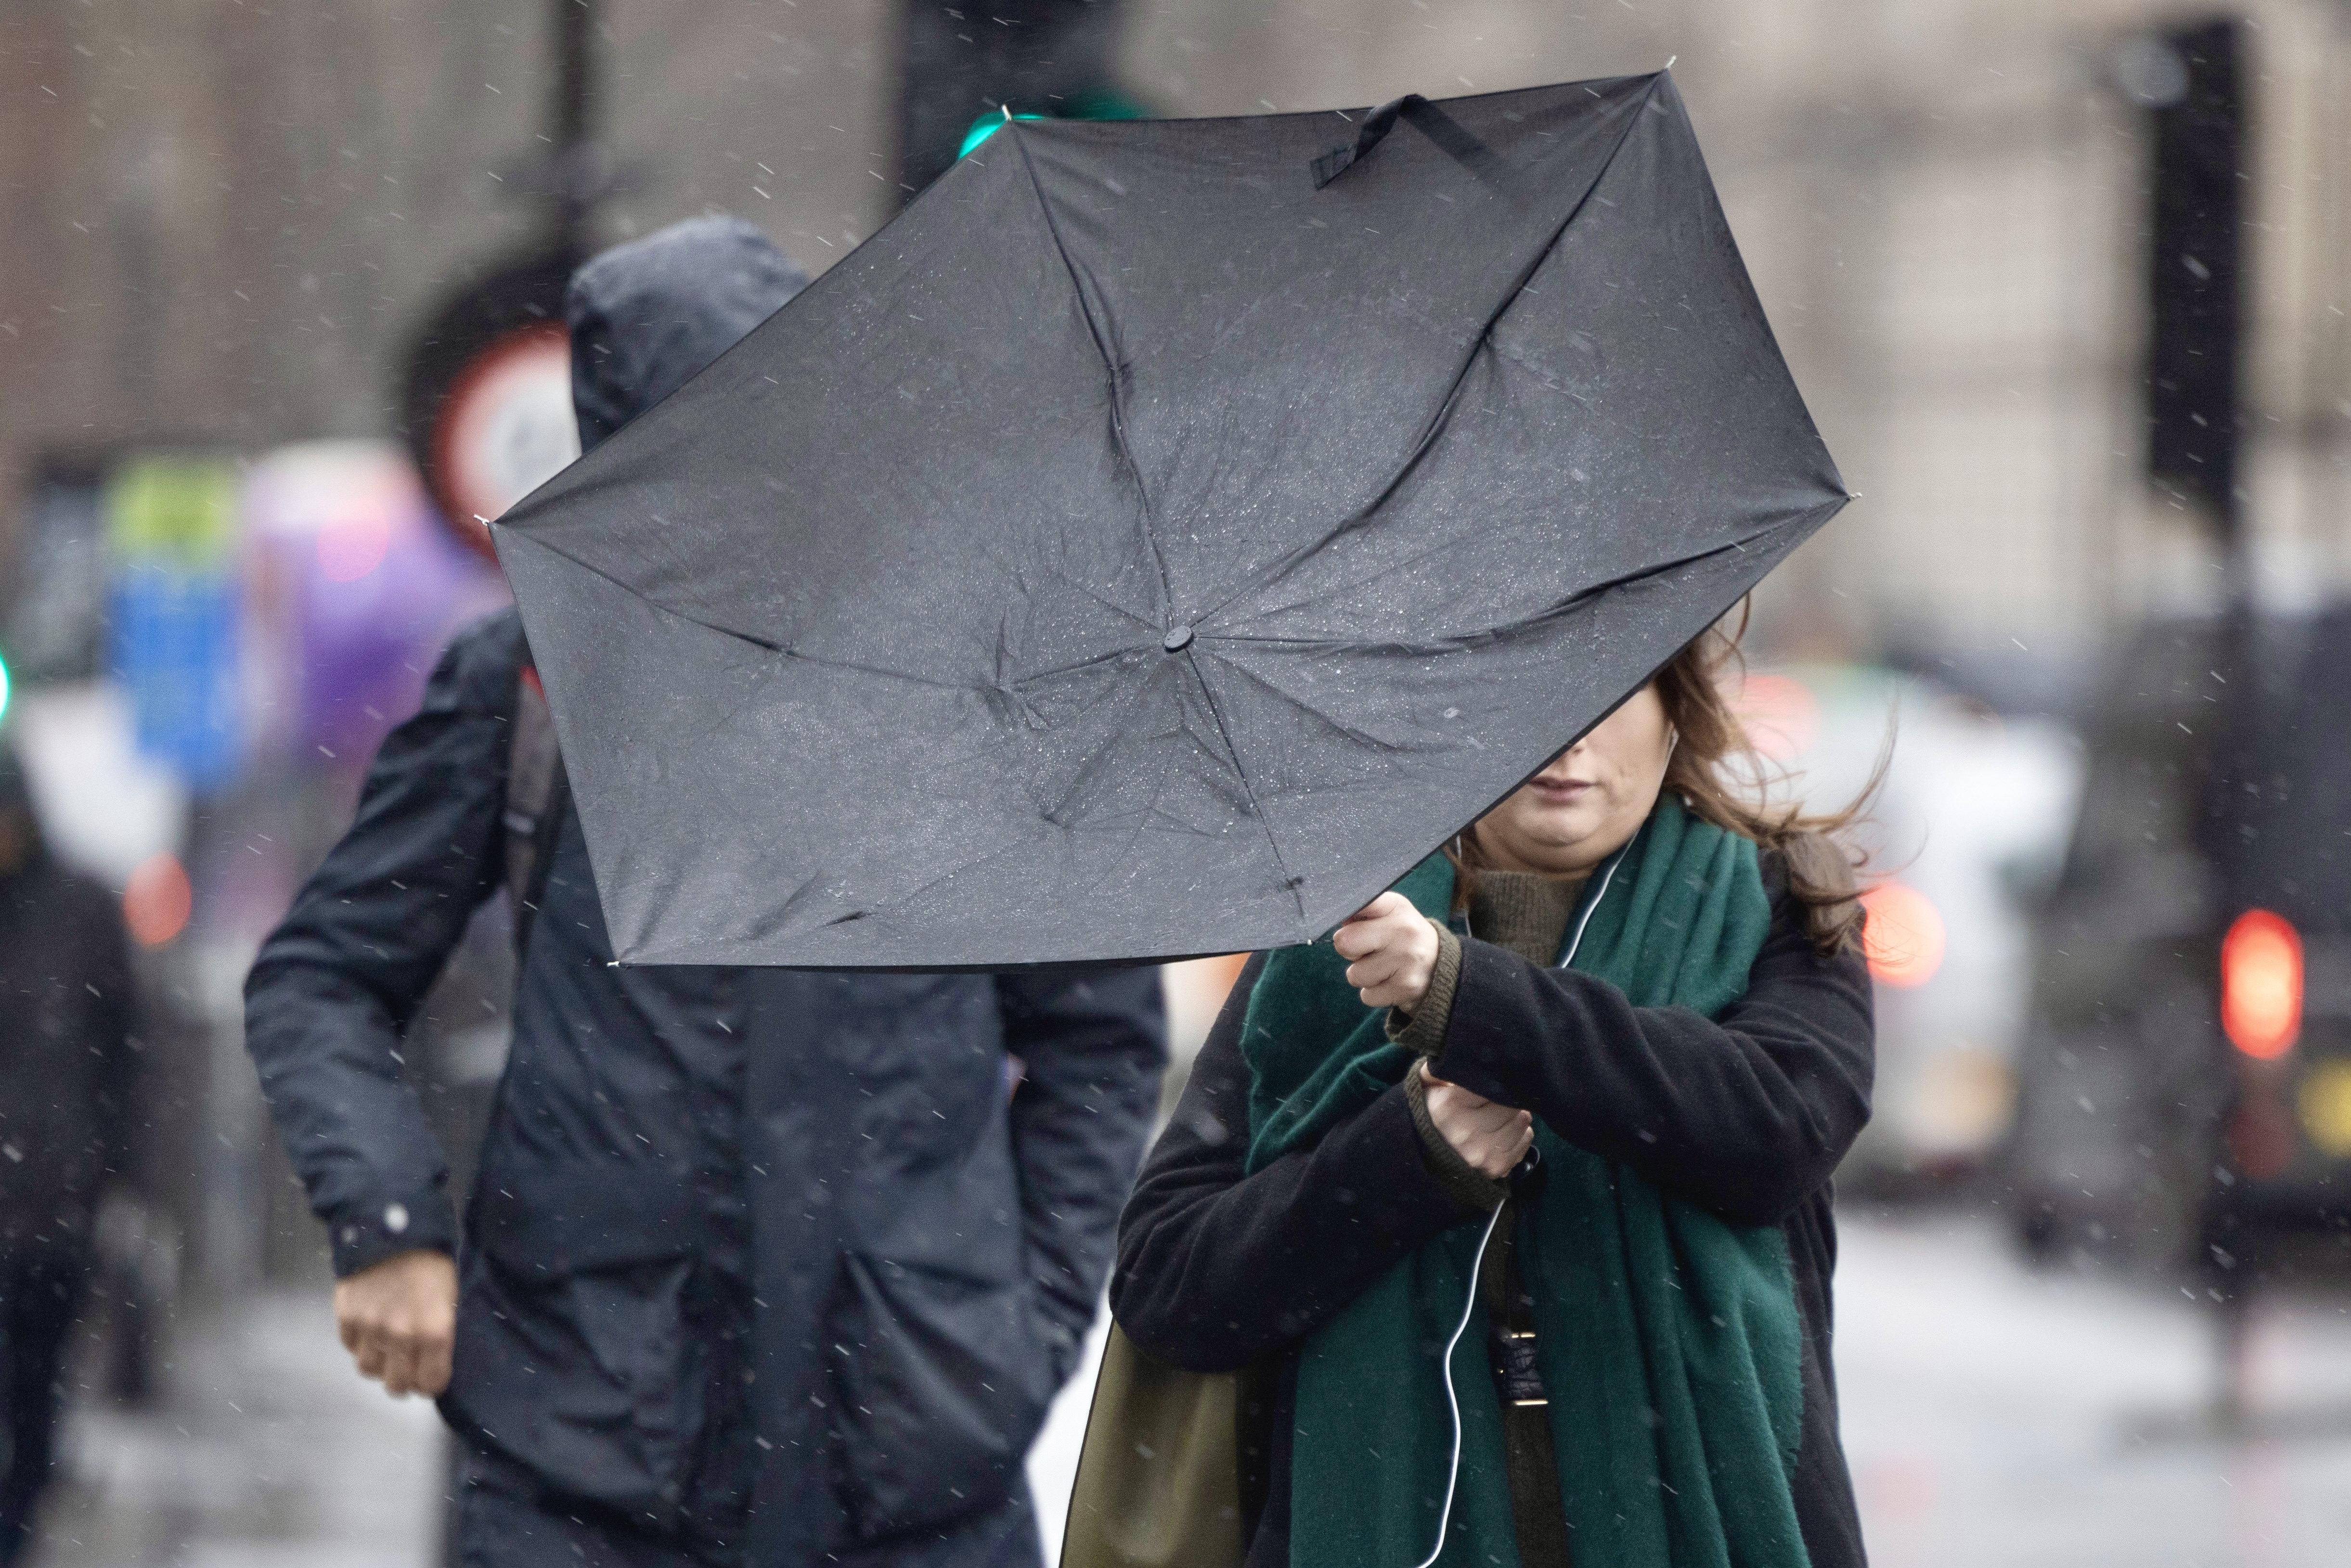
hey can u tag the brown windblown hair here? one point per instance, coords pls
(1722, 779)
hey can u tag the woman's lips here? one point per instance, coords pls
(1561, 792)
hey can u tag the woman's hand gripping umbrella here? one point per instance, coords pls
(1393, 950)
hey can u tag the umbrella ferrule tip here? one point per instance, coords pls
(1178, 638)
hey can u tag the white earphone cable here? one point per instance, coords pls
(1453, 1400)
(1478, 1267)
(1591, 908)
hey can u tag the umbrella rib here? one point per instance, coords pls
(1091, 592)
(897, 899)
(1113, 656)
(1360, 735)
(1357, 585)
(1393, 566)
(1282, 867)
(754, 641)
(1095, 760)
(818, 660)
(1150, 533)
(879, 906)
(1439, 422)
(1550, 612)
(1110, 366)
(1158, 793)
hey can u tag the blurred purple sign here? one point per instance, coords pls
(357, 588)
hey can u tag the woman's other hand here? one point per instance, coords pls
(1392, 952)
(1491, 1137)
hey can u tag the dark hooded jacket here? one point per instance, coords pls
(66, 1054)
(809, 1250)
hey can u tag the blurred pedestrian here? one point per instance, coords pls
(1569, 1097)
(760, 1266)
(66, 1058)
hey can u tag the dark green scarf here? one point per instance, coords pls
(1668, 1339)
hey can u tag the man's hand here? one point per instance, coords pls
(399, 1318)
(1393, 951)
(1493, 1137)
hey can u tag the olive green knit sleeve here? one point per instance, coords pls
(1463, 1181)
(1422, 1031)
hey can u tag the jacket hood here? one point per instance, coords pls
(646, 315)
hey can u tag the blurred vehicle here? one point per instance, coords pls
(2119, 1083)
(2284, 979)
(2186, 1091)
(1968, 825)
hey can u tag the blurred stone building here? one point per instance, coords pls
(223, 220)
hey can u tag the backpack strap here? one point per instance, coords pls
(537, 792)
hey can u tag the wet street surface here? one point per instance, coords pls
(1993, 1416)
(271, 1452)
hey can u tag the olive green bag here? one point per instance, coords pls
(1159, 1476)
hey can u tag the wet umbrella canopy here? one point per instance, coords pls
(1164, 533)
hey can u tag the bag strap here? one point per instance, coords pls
(539, 790)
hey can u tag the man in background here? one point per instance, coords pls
(760, 1267)
(65, 1084)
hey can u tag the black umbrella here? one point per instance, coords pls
(1164, 533)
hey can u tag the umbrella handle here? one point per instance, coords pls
(1369, 134)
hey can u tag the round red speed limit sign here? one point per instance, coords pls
(505, 427)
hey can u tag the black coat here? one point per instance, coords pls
(730, 1226)
(66, 1051)
(1746, 1116)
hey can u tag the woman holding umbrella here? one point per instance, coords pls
(1510, 1201)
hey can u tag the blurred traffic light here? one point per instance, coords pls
(964, 61)
(2189, 82)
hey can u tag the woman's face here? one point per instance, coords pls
(1590, 801)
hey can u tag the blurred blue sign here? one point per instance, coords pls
(176, 596)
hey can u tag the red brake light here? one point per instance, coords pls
(2260, 984)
